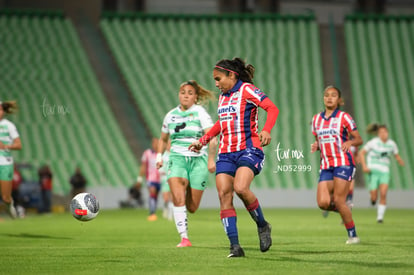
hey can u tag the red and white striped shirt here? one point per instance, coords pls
(149, 158)
(238, 118)
(332, 132)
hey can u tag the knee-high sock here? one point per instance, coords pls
(153, 204)
(256, 213)
(381, 211)
(229, 220)
(180, 218)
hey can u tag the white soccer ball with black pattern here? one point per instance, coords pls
(84, 207)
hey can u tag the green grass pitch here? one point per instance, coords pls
(124, 242)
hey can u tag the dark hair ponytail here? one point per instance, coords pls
(9, 107)
(243, 71)
(372, 129)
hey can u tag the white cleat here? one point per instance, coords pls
(353, 240)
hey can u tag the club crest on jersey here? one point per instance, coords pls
(257, 91)
(227, 109)
(334, 122)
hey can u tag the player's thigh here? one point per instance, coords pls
(198, 173)
(6, 173)
(324, 192)
(341, 189)
(243, 179)
(374, 181)
(178, 188)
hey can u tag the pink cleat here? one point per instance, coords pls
(184, 243)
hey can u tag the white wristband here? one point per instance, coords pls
(158, 158)
(139, 179)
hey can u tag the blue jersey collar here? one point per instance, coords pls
(333, 114)
(235, 88)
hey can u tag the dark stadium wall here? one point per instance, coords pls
(72, 8)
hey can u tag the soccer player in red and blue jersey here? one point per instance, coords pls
(240, 157)
(333, 130)
(149, 170)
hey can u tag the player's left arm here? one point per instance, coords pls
(272, 114)
(399, 159)
(355, 141)
(16, 145)
(212, 150)
(162, 144)
(350, 125)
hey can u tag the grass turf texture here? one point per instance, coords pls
(124, 242)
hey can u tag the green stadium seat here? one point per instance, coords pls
(381, 63)
(43, 61)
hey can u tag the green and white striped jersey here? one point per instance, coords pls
(185, 127)
(8, 133)
(379, 154)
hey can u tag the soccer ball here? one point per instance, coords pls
(84, 207)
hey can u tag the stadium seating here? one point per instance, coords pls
(381, 60)
(64, 119)
(156, 53)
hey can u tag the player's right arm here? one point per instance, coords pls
(204, 140)
(363, 161)
(162, 144)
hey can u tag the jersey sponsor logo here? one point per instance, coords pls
(226, 118)
(179, 127)
(327, 132)
(178, 119)
(227, 109)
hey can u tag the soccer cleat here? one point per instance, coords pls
(265, 237)
(353, 240)
(236, 251)
(380, 221)
(184, 243)
(152, 217)
(325, 213)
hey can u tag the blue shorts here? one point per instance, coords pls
(343, 172)
(228, 163)
(157, 185)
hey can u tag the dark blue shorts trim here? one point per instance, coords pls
(343, 172)
(228, 163)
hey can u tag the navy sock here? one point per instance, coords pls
(229, 220)
(350, 227)
(256, 213)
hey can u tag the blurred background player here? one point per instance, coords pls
(167, 211)
(9, 140)
(332, 129)
(45, 182)
(350, 196)
(78, 182)
(240, 156)
(134, 196)
(16, 181)
(187, 171)
(152, 177)
(378, 152)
